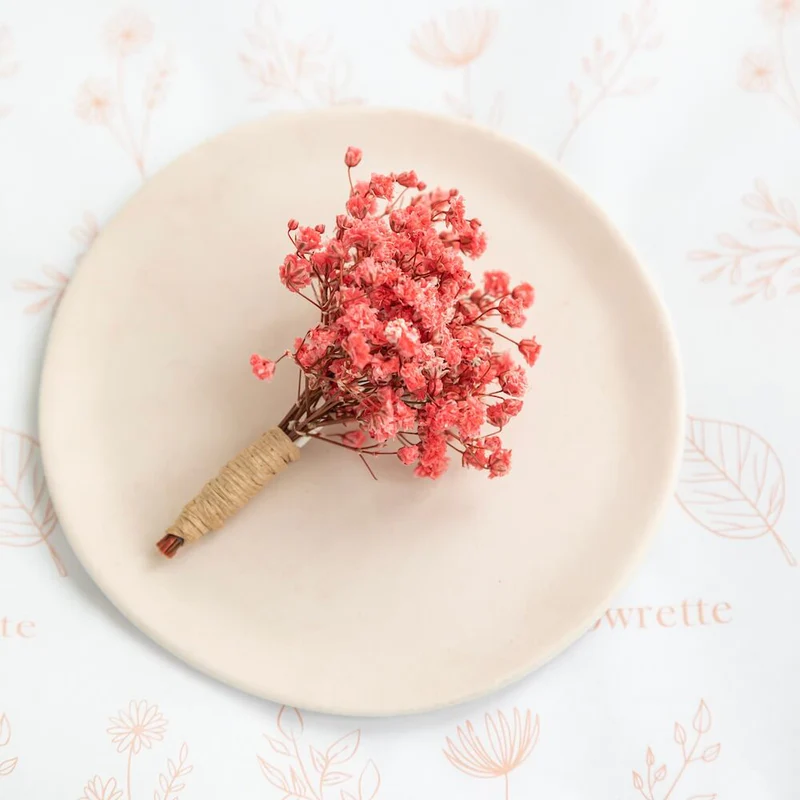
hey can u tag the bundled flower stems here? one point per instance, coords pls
(404, 361)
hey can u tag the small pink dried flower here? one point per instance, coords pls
(352, 157)
(263, 368)
(530, 350)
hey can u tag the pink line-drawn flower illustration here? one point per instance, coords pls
(106, 102)
(604, 69)
(8, 66)
(137, 728)
(302, 771)
(649, 783)
(454, 42)
(50, 289)
(134, 730)
(732, 482)
(27, 517)
(7, 765)
(305, 71)
(97, 789)
(766, 70)
(758, 269)
(509, 745)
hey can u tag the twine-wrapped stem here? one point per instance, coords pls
(239, 481)
(246, 475)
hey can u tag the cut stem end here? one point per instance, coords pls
(169, 544)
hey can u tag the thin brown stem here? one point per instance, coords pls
(390, 206)
(374, 476)
(497, 333)
(488, 310)
(339, 444)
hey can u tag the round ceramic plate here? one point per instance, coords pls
(332, 591)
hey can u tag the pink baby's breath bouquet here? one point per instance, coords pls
(404, 361)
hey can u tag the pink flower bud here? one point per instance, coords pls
(408, 179)
(293, 224)
(492, 443)
(511, 312)
(397, 221)
(319, 228)
(530, 350)
(263, 368)
(352, 157)
(525, 294)
(497, 415)
(474, 457)
(500, 464)
(409, 454)
(512, 407)
(496, 283)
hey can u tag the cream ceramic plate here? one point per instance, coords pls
(332, 591)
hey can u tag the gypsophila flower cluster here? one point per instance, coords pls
(404, 359)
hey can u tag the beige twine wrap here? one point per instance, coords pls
(237, 483)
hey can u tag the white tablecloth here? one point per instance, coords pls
(682, 119)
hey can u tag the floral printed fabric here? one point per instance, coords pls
(683, 120)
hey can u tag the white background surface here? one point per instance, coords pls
(670, 159)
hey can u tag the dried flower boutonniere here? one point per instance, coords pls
(404, 359)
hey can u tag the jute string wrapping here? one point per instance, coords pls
(237, 483)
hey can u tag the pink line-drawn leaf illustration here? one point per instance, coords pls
(758, 269)
(27, 517)
(8, 67)
(303, 771)
(343, 749)
(306, 71)
(51, 288)
(170, 782)
(767, 70)
(106, 102)
(656, 778)
(510, 744)
(455, 41)
(369, 782)
(732, 482)
(604, 72)
(7, 765)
